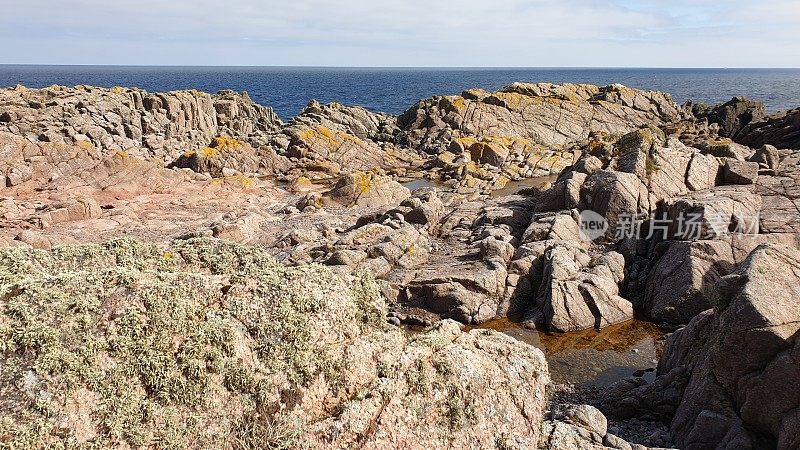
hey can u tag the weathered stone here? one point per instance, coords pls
(223, 157)
(683, 278)
(270, 330)
(702, 172)
(564, 194)
(166, 124)
(616, 196)
(469, 292)
(366, 189)
(740, 172)
(578, 292)
(739, 355)
(532, 114)
(710, 214)
(588, 165)
(731, 116)
(781, 130)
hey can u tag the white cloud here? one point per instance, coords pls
(403, 33)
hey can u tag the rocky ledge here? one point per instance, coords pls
(276, 277)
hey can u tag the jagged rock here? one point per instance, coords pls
(740, 172)
(581, 427)
(588, 418)
(563, 194)
(244, 229)
(469, 291)
(767, 157)
(405, 247)
(681, 283)
(367, 189)
(781, 130)
(725, 148)
(661, 165)
(336, 139)
(710, 214)
(224, 156)
(162, 125)
(579, 292)
(588, 165)
(616, 196)
(731, 116)
(553, 227)
(426, 208)
(703, 172)
(346, 257)
(354, 120)
(546, 114)
(635, 397)
(739, 356)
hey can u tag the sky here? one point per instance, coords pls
(403, 33)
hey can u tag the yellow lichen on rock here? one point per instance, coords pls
(225, 143)
(363, 181)
(332, 139)
(217, 145)
(242, 181)
(86, 145)
(455, 103)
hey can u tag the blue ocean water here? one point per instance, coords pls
(393, 90)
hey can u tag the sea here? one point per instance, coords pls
(394, 90)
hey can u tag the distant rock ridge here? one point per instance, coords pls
(160, 125)
(781, 130)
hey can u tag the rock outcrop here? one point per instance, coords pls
(731, 116)
(781, 130)
(161, 125)
(366, 189)
(546, 114)
(742, 359)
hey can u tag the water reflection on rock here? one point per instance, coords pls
(519, 187)
(592, 357)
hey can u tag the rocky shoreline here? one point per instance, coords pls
(462, 211)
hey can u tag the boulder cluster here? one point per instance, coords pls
(269, 268)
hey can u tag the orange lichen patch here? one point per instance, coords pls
(516, 101)
(501, 182)
(363, 181)
(121, 154)
(498, 148)
(454, 103)
(225, 143)
(86, 145)
(217, 145)
(332, 139)
(205, 152)
(595, 144)
(550, 162)
(477, 150)
(466, 141)
(118, 90)
(307, 135)
(512, 100)
(241, 181)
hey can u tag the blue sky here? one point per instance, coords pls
(454, 33)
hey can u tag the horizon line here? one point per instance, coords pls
(403, 67)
